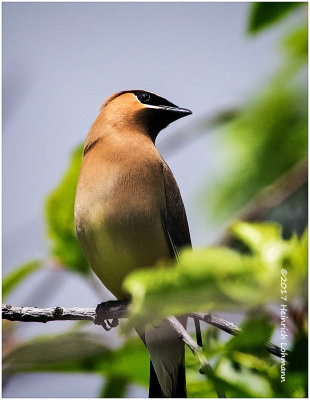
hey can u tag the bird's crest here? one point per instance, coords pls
(109, 99)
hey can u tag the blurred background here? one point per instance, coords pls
(241, 69)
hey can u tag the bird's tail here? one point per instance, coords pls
(155, 390)
(167, 352)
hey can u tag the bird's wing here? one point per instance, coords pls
(173, 218)
(166, 350)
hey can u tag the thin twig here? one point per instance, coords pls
(198, 331)
(110, 310)
(195, 348)
(232, 329)
(220, 323)
(183, 335)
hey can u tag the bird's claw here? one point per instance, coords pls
(107, 324)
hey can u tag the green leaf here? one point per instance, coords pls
(256, 235)
(130, 361)
(296, 43)
(197, 282)
(114, 387)
(219, 278)
(68, 352)
(59, 211)
(265, 14)
(15, 277)
(255, 333)
(265, 241)
(79, 352)
(266, 140)
(196, 384)
(240, 381)
(296, 368)
(298, 359)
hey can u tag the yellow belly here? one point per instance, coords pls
(118, 223)
(116, 246)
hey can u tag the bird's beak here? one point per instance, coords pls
(181, 112)
(162, 116)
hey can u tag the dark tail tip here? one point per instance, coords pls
(155, 389)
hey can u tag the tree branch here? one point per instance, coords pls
(195, 348)
(232, 329)
(112, 310)
(34, 314)
(115, 310)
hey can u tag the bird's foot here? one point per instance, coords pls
(105, 309)
(107, 325)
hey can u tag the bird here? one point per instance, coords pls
(129, 213)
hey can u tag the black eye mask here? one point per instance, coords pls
(152, 99)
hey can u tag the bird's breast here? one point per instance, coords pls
(118, 217)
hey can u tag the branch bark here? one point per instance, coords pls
(112, 310)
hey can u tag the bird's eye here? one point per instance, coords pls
(144, 97)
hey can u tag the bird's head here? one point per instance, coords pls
(140, 109)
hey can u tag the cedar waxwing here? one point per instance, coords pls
(129, 213)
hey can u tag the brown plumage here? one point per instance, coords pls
(129, 212)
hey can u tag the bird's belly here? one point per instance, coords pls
(116, 243)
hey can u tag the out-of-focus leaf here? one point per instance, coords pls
(218, 278)
(59, 212)
(264, 14)
(296, 368)
(265, 240)
(79, 352)
(74, 351)
(257, 235)
(242, 368)
(267, 139)
(296, 43)
(15, 277)
(196, 384)
(241, 381)
(300, 258)
(198, 389)
(131, 362)
(298, 358)
(234, 378)
(269, 135)
(255, 333)
(200, 281)
(292, 213)
(114, 387)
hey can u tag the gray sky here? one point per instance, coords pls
(60, 61)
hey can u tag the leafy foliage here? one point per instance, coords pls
(296, 43)
(265, 14)
(59, 213)
(243, 369)
(269, 135)
(222, 279)
(79, 352)
(265, 141)
(10, 281)
(115, 387)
